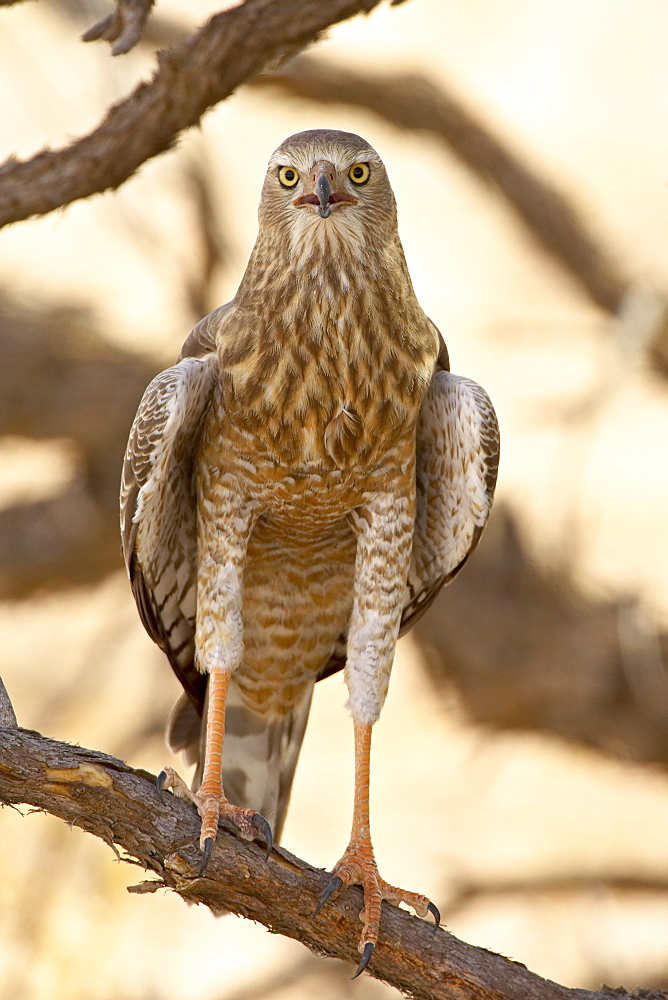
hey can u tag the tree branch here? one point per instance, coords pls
(105, 797)
(230, 48)
(525, 649)
(124, 26)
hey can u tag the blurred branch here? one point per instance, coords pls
(464, 893)
(124, 26)
(214, 249)
(414, 103)
(524, 649)
(60, 379)
(233, 46)
(105, 797)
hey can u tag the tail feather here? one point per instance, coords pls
(260, 752)
(182, 732)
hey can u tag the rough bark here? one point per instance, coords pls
(105, 797)
(190, 79)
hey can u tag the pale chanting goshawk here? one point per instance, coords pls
(296, 490)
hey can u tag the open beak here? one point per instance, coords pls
(324, 196)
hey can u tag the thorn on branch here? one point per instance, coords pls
(124, 27)
(151, 885)
(7, 714)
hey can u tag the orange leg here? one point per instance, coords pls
(358, 864)
(210, 799)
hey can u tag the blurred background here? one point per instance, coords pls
(519, 770)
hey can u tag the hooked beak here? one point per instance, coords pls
(324, 190)
(324, 197)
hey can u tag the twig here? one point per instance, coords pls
(124, 26)
(190, 79)
(105, 797)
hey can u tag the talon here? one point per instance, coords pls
(436, 914)
(261, 824)
(334, 886)
(206, 854)
(366, 957)
(159, 782)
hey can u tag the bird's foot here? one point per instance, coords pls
(358, 867)
(169, 778)
(212, 807)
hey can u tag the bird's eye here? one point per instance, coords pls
(288, 176)
(359, 173)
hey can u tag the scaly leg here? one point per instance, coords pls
(225, 521)
(384, 531)
(210, 799)
(358, 864)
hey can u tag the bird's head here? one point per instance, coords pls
(323, 185)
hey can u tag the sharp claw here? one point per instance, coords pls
(206, 854)
(332, 887)
(261, 824)
(436, 913)
(366, 957)
(159, 782)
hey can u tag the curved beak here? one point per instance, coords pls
(324, 190)
(323, 196)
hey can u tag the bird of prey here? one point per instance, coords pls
(296, 490)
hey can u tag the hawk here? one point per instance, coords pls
(296, 490)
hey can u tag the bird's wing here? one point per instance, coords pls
(203, 338)
(457, 463)
(158, 510)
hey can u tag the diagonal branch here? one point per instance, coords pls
(105, 797)
(190, 79)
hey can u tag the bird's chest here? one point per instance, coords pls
(340, 399)
(297, 489)
(315, 455)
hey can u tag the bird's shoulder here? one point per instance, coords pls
(204, 337)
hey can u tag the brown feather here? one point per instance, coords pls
(324, 372)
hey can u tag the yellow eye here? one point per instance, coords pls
(288, 176)
(359, 173)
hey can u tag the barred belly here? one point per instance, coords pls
(298, 594)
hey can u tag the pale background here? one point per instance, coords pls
(580, 88)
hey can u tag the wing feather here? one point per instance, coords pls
(457, 464)
(158, 510)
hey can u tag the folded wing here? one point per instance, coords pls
(158, 511)
(457, 463)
